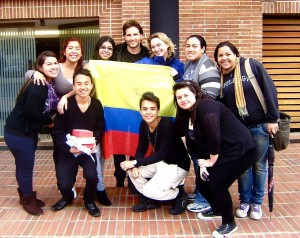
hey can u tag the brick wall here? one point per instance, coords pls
(239, 21)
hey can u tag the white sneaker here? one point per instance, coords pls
(74, 191)
(256, 212)
(242, 211)
(195, 207)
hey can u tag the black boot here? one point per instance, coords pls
(145, 204)
(181, 201)
(102, 198)
(119, 173)
(120, 183)
(39, 202)
(30, 204)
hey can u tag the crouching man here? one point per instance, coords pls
(161, 175)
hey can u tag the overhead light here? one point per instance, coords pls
(46, 32)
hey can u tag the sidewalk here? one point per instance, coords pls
(119, 221)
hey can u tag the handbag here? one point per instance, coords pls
(281, 139)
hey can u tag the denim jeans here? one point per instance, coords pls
(199, 199)
(252, 183)
(100, 169)
(23, 149)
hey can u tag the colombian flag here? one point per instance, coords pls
(119, 87)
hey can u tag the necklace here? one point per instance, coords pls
(155, 136)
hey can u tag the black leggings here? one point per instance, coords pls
(216, 192)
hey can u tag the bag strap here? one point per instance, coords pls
(255, 85)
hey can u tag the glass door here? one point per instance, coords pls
(17, 54)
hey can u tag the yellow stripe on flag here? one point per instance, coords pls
(120, 85)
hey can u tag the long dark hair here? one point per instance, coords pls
(182, 116)
(40, 60)
(100, 42)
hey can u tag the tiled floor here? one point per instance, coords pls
(119, 221)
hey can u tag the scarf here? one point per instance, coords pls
(51, 101)
(238, 88)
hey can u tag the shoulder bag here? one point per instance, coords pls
(281, 139)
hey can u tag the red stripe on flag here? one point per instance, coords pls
(118, 142)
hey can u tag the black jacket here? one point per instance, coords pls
(218, 131)
(27, 117)
(255, 110)
(167, 145)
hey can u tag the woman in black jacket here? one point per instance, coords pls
(33, 109)
(221, 144)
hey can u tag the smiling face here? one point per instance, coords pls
(133, 37)
(106, 50)
(73, 51)
(82, 85)
(193, 49)
(185, 98)
(149, 111)
(159, 47)
(226, 58)
(50, 67)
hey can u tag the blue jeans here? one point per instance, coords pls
(252, 183)
(100, 169)
(199, 199)
(23, 149)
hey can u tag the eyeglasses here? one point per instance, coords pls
(106, 48)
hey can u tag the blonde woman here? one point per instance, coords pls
(162, 52)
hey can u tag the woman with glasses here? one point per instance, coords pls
(105, 49)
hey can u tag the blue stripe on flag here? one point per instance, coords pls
(121, 119)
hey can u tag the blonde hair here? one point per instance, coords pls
(163, 37)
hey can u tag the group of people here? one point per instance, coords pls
(220, 125)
